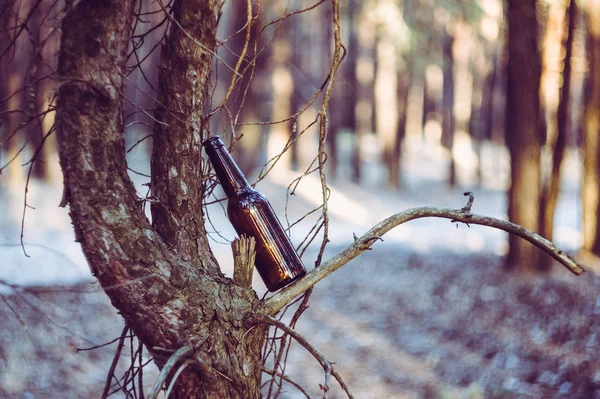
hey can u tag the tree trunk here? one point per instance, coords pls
(404, 84)
(387, 106)
(477, 112)
(429, 102)
(161, 278)
(550, 191)
(42, 66)
(448, 105)
(591, 142)
(282, 84)
(363, 42)
(522, 133)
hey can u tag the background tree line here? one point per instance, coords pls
(450, 74)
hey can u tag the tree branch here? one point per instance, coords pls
(287, 379)
(177, 166)
(285, 296)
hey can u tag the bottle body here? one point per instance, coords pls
(277, 263)
(251, 213)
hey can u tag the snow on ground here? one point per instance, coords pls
(395, 320)
(54, 257)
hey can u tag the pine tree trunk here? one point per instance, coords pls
(387, 106)
(550, 192)
(162, 278)
(522, 133)
(404, 84)
(14, 73)
(448, 105)
(362, 79)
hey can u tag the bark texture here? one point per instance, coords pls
(151, 275)
(177, 164)
(522, 128)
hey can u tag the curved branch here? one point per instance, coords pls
(173, 361)
(287, 379)
(285, 296)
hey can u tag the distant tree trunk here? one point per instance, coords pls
(428, 102)
(484, 69)
(46, 43)
(299, 40)
(550, 191)
(15, 66)
(354, 50)
(522, 123)
(486, 114)
(141, 83)
(404, 85)
(475, 120)
(448, 105)
(363, 75)
(248, 103)
(282, 84)
(591, 142)
(386, 107)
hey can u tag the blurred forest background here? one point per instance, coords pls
(483, 86)
(481, 95)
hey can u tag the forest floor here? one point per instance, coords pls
(428, 313)
(396, 324)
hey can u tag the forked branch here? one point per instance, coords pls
(285, 296)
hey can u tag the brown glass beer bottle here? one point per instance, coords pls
(251, 213)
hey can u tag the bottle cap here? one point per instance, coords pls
(214, 141)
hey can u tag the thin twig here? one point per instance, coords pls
(329, 370)
(91, 348)
(115, 361)
(287, 379)
(141, 368)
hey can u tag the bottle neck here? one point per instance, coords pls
(230, 176)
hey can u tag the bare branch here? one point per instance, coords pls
(282, 298)
(115, 361)
(287, 379)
